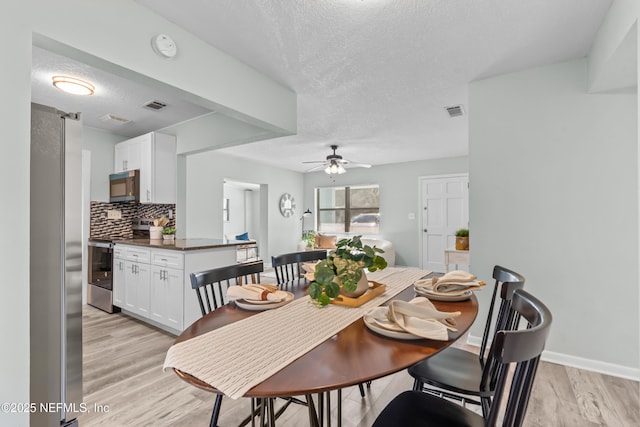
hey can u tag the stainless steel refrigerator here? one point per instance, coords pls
(55, 267)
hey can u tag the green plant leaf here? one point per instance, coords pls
(323, 300)
(332, 290)
(324, 273)
(315, 290)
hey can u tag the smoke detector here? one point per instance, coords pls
(455, 111)
(114, 118)
(154, 105)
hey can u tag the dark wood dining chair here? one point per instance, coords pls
(459, 373)
(522, 347)
(209, 286)
(288, 267)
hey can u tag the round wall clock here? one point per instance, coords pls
(287, 205)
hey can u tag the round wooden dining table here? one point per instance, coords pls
(353, 356)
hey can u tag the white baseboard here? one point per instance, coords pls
(580, 362)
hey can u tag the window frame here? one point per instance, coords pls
(349, 212)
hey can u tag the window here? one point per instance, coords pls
(353, 209)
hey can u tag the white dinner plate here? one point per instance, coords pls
(371, 323)
(263, 305)
(440, 296)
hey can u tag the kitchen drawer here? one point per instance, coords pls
(118, 252)
(170, 259)
(138, 255)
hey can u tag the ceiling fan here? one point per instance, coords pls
(335, 164)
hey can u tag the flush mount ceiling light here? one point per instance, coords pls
(73, 85)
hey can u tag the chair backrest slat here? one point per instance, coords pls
(210, 285)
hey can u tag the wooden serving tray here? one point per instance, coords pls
(372, 292)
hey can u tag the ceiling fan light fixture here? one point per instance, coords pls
(73, 85)
(334, 168)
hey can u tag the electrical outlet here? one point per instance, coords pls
(411, 215)
(114, 214)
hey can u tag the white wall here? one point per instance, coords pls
(205, 175)
(101, 145)
(399, 196)
(554, 196)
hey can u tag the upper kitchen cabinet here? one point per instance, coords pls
(155, 155)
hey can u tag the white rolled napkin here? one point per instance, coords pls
(418, 317)
(456, 282)
(256, 292)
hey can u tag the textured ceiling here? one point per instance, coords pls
(372, 76)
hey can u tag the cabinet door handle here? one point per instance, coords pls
(148, 195)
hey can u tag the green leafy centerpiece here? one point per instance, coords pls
(344, 268)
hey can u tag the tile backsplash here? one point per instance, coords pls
(102, 227)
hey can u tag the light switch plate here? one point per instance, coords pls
(114, 214)
(412, 215)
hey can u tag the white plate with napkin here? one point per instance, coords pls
(257, 297)
(456, 285)
(413, 320)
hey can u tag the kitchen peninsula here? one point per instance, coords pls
(151, 277)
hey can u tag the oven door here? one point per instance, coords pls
(124, 186)
(100, 264)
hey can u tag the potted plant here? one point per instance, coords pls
(462, 239)
(309, 237)
(168, 233)
(342, 271)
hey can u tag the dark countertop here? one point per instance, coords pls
(183, 244)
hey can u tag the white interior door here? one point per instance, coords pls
(445, 209)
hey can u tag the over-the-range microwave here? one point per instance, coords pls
(124, 186)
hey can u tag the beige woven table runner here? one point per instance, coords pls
(273, 338)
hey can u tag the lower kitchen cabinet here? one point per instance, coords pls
(119, 278)
(153, 285)
(165, 296)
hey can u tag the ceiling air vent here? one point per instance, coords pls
(114, 118)
(155, 105)
(455, 111)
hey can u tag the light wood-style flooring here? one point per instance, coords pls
(123, 371)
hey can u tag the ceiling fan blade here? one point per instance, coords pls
(315, 168)
(316, 161)
(355, 164)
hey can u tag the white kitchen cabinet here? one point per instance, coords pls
(119, 279)
(128, 154)
(167, 280)
(136, 287)
(165, 296)
(131, 279)
(155, 155)
(154, 285)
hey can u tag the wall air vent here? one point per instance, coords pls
(154, 105)
(114, 118)
(455, 111)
